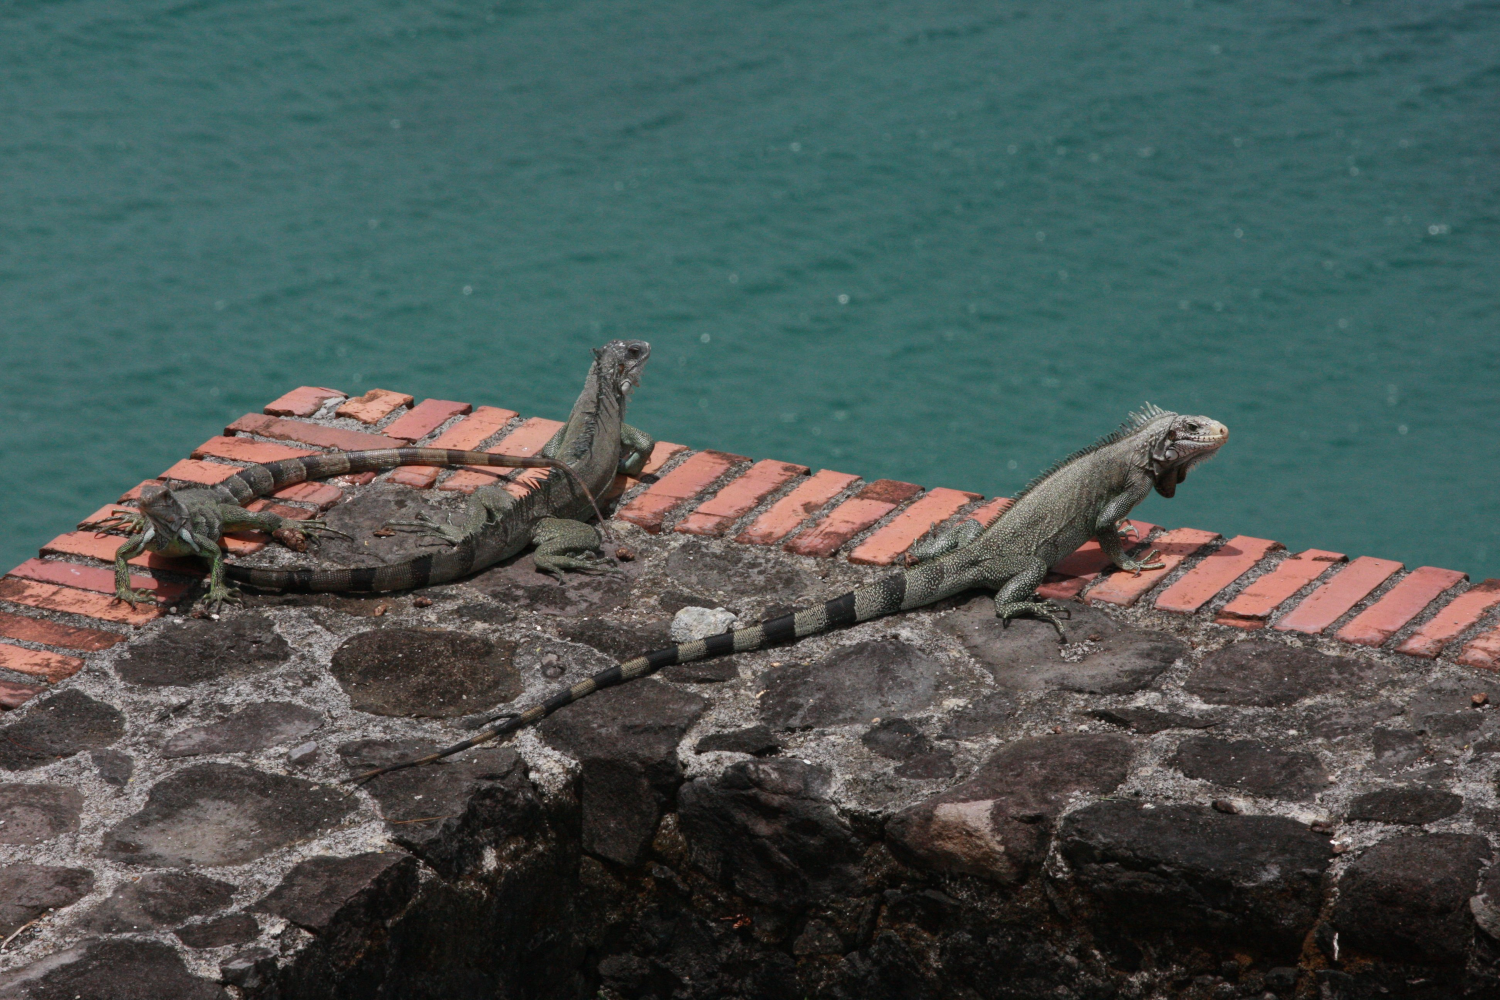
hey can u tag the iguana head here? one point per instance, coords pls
(1174, 443)
(620, 363)
(166, 516)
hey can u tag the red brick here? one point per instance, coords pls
(1460, 613)
(1483, 652)
(96, 578)
(424, 418)
(1338, 596)
(1253, 605)
(191, 470)
(985, 514)
(356, 478)
(890, 542)
(1083, 565)
(244, 543)
(14, 695)
(1172, 548)
(51, 597)
(103, 547)
(53, 666)
(852, 516)
(320, 495)
(650, 508)
(134, 493)
(303, 402)
(661, 453)
(1403, 602)
(418, 477)
(374, 406)
(526, 440)
(474, 430)
(1218, 570)
(788, 514)
(313, 434)
(734, 501)
(247, 450)
(50, 633)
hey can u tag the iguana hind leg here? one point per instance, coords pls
(937, 541)
(1018, 577)
(563, 545)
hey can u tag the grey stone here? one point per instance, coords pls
(51, 728)
(362, 890)
(1250, 765)
(673, 601)
(727, 571)
(1484, 904)
(625, 739)
(899, 739)
(868, 680)
(757, 740)
(250, 969)
(158, 899)
(191, 650)
(713, 671)
(519, 585)
(31, 814)
(1149, 721)
(1242, 880)
(1025, 656)
(425, 672)
(1415, 806)
(254, 727)
(985, 716)
(222, 814)
(766, 829)
(302, 754)
(1450, 730)
(114, 767)
(1343, 719)
(996, 824)
(231, 928)
(618, 642)
(27, 891)
(111, 969)
(691, 623)
(485, 612)
(1407, 898)
(1264, 673)
(1396, 749)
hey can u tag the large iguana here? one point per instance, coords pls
(1085, 495)
(595, 444)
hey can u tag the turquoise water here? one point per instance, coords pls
(1285, 215)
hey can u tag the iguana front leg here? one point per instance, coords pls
(567, 545)
(1107, 531)
(1017, 578)
(134, 546)
(235, 518)
(635, 450)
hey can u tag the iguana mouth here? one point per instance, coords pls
(1188, 445)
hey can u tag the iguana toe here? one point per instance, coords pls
(135, 597)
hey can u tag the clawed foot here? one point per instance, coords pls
(119, 521)
(217, 597)
(1040, 610)
(298, 535)
(423, 524)
(1126, 528)
(135, 597)
(1134, 566)
(557, 565)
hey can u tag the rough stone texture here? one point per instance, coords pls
(518, 585)
(1150, 721)
(900, 739)
(190, 651)
(1416, 806)
(158, 899)
(1260, 672)
(232, 928)
(114, 767)
(57, 726)
(118, 969)
(220, 814)
(321, 890)
(700, 623)
(1025, 656)
(1250, 766)
(27, 891)
(33, 814)
(425, 672)
(263, 724)
(755, 740)
(858, 683)
(732, 574)
(1407, 898)
(617, 641)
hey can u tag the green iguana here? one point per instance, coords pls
(1085, 495)
(595, 444)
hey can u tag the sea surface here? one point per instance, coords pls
(945, 242)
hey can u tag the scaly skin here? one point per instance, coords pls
(595, 445)
(1085, 495)
(190, 522)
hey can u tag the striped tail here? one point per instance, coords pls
(875, 600)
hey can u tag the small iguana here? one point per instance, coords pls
(595, 444)
(190, 522)
(1085, 495)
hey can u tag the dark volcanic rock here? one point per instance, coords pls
(899, 739)
(57, 727)
(1150, 721)
(27, 891)
(625, 739)
(868, 680)
(1264, 673)
(221, 814)
(30, 814)
(254, 727)
(361, 890)
(190, 650)
(1450, 730)
(1415, 806)
(232, 928)
(425, 672)
(1250, 879)
(519, 585)
(996, 824)
(1396, 749)
(986, 716)
(765, 829)
(714, 671)
(1250, 765)
(158, 899)
(1407, 898)
(114, 767)
(1485, 904)
(730, 571)
(619, 642)
(449, 813)
(1026, 656)
(756, 740)
(114, 969)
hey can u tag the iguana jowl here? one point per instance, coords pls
(595, 445)
(1085, 495)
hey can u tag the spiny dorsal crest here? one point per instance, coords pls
(1140, 418)
(1134, 422)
